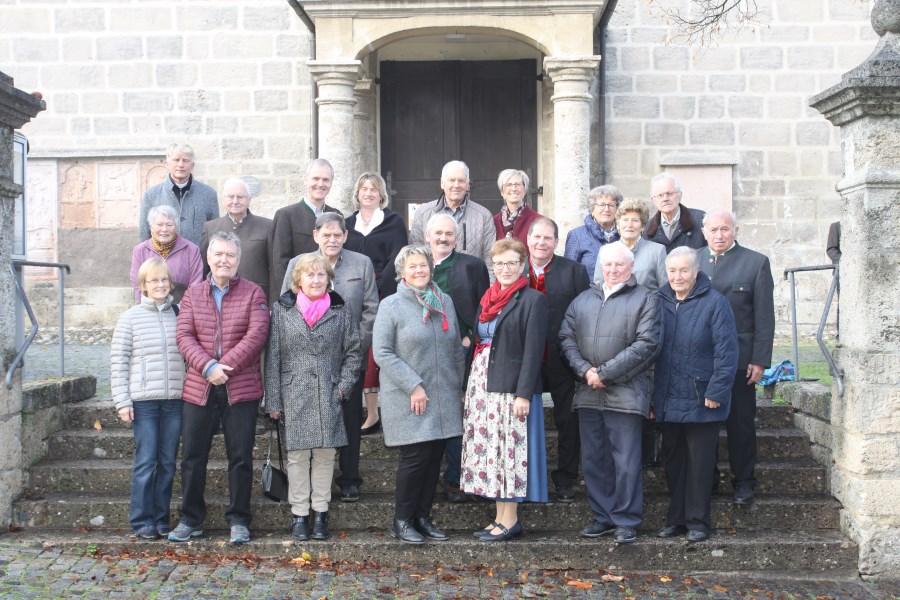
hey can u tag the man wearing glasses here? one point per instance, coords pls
(253, 231)
(674, 224)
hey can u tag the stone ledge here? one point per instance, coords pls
(55, 391)
(811, 398)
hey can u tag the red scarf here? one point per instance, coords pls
(495, 299)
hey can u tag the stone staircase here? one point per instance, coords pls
(79, 496)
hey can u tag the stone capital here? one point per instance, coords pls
(335, 73)
(16, 106)
(571, 68)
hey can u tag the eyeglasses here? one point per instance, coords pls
(514, 184)
(233, 197)
(499, 266)
(667, 194)
(605, 205)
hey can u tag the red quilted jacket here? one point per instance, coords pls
(243, 329)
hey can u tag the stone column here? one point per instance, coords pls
(571, 77)
(16, 109)
(366, 159)
(336, 82)
(866, 420)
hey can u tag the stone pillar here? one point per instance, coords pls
(366, 159)
(571, 77)
(336, 82)
(866, 420)
(16, 109)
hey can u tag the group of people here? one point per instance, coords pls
(455, 329)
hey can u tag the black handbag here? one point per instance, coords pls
(274, 481)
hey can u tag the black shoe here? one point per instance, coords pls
(300, 528)
(625, 535)
(320, 526)
(565, 492)
(480, 533)
(405, 532)
(504, 535)
(743, 494)
(424, 526)
(350, 494)
(597, 529)
(695, 535)
(372, 429)
(454, 494)
(670, 531)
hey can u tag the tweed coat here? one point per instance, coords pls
(354, 280)
(292, 235)
(242, 327)
(198, 205)
(255, 233)
(184, 261)
(475, 231)
(310, 372)
(687, 233)
(144, 359)
(411, 352)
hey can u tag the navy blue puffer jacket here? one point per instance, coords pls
(699, 355)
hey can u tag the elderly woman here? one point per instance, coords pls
(515, 216)
(649, 257)
(182, 255)
(377, 232)
(583, 243)
(147, 376)
(416, 344)
(313, 359)
(504, 457)
(692, 389)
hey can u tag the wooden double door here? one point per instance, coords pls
(481, 112)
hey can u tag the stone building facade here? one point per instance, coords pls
(256, 92)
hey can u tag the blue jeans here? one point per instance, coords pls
(157, 430)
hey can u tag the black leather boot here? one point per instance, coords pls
(300, 528)
(404, 531)
(320, 526)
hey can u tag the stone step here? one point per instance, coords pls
(785, 476)
(110, 511)
(801, 553)
(85, 415)
(118, 443)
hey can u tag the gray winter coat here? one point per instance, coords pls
(307, 370)
(411, 352)
(144, 360)
(620, 336)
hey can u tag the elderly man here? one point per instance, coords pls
(195, 202)
(561, 280)
(674, 224)
(744, 277)
(354, 280)
(222, 329)
(253, 231)
(610, 337)
(292, 227)
(475, 233)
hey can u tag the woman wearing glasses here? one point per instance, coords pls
(583, 243)
(503, 434)
(515, 217)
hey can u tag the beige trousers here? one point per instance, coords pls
(309, 479)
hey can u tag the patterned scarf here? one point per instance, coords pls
(312, 310)
(163, 249)
(495, 299)
(509, 219)
(430, 300)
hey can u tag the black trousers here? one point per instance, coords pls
(559, 382)
(741, 427)
(689, 457)
(417, 476)
(198, 426)
(349, 457)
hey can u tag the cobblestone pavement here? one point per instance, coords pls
(49, 573)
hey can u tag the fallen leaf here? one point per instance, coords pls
(688, 581)
(581, 585)
(97, 425)
(306, 556)
(490, 573)
(665, 579)
(525, 575)
(719, 588)
(610, 578)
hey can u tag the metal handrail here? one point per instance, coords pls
(61, 270)
(832, 366)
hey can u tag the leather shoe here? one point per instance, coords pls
(320, 526)
(454, 494)
(504, 535)
(743, 494)
(350, 494)
(695, 535)
(565, 493)
(300, 528)
(404, 531)
(671, 531)
(597, 529)
(625, 535)
(480, 533)
(372, 429)
(424, 526)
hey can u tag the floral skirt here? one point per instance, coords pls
(503, 456)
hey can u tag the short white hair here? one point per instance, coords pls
(615, 248)
(236, 181)
(685, 251)
(720, 213)
(433, 220)
(177, 148)
(455, 164)
(664, 177)
(163, 210)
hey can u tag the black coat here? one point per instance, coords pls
(381, 245)
(292, 235)
(565, 280)
(688, 232)
(517, 349)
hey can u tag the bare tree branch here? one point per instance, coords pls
(705, 20)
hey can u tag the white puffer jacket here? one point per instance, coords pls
(144, 360)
